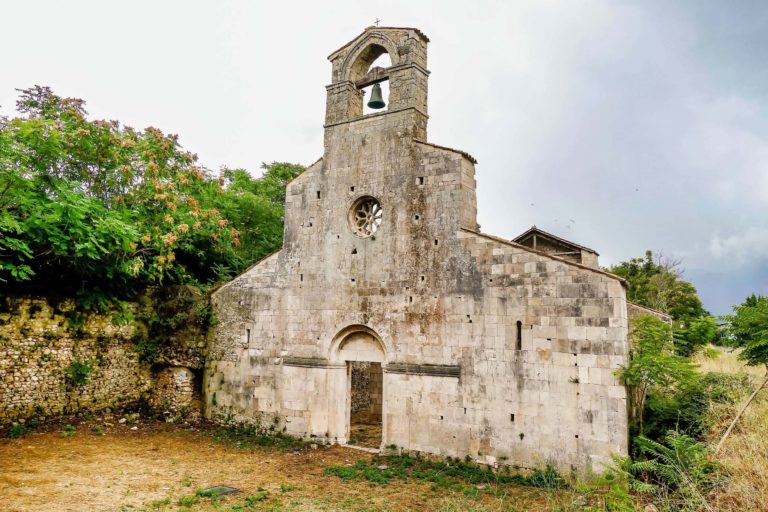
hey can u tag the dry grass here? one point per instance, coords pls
(158, 466)
(745, 452)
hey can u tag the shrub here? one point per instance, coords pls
(187, 501)
(69, 430)
(688, 409)
(547, 478)
(78, 372)
(17, 430)
(676, 471)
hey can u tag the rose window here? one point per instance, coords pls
(365, 216)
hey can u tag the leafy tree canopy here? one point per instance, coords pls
(93, 205)
(748, 329)
(656, 282)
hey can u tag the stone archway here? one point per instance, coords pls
(362, 353)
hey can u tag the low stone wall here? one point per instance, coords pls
(56, 362)
(175, 394)
(38, 345)
(635, 311)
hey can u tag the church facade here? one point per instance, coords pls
(387, 307)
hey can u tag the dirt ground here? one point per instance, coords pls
(160, 467)
(365, 434)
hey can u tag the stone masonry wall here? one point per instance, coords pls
(39, 342)
(36, 346)
(488, 349)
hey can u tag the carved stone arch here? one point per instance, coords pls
(358, 343)
(366, 51)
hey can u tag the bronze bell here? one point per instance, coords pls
(376, 100)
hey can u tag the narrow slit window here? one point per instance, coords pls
(247, 335)
(519, 337)
(318, 194)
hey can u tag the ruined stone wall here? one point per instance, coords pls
(41, 339)
(37, 345)
(174, 393)
(361, 383)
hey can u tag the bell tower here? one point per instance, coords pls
(407, 76)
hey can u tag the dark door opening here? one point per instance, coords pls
(365, 404)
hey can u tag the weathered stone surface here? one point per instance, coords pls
(39, 341)
(488, 348)
(36, 346)
(174, 394)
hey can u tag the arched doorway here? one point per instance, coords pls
(361, 350)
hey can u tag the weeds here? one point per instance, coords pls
(252, 500)
(78, 372)
(187, 501)
(676, 471)
(69, 430)
(17, 430)
(461, 476)
(250, 438)
(160, 504)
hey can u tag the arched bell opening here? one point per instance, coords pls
(376, 95)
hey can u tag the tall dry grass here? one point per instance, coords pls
(745, 453)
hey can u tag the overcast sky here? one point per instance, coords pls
(623, 126)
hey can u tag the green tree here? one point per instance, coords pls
(256, 207)
(653, 365)
(694, 335)
(99, 207)
(748, 330)
(656, 282)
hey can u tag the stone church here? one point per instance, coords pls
(389, 320)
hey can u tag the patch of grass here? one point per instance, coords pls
(547, 478)
(96, 429)
(286, 487)
(253, 499)
(461, 476)
(250, 438)
(710, 353)
(160, 504)
(743, 453)
(69, 430)
(187, 501)
(17, 430)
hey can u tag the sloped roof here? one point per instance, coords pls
(572, 263)
(656, 312)
(540, 232)
(462, 153)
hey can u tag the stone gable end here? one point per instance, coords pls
(487, 348)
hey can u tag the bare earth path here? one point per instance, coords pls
(152, 468)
